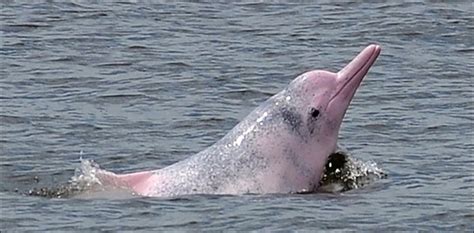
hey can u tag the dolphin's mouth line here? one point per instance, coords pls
(368, 61)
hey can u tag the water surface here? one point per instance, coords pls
(140, 85)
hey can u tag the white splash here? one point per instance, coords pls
(352, 174)
(364, 172)
(85, 176)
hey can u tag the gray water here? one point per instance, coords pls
(138, 86)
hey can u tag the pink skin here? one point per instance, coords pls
(290, 147)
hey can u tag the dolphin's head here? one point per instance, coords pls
(314, 104)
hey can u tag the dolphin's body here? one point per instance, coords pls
(280, 147)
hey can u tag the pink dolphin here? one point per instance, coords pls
(280, 147)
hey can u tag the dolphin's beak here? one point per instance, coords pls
(350, 77)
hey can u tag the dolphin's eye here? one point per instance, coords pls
(314, 113)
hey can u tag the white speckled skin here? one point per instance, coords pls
(280, 147)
